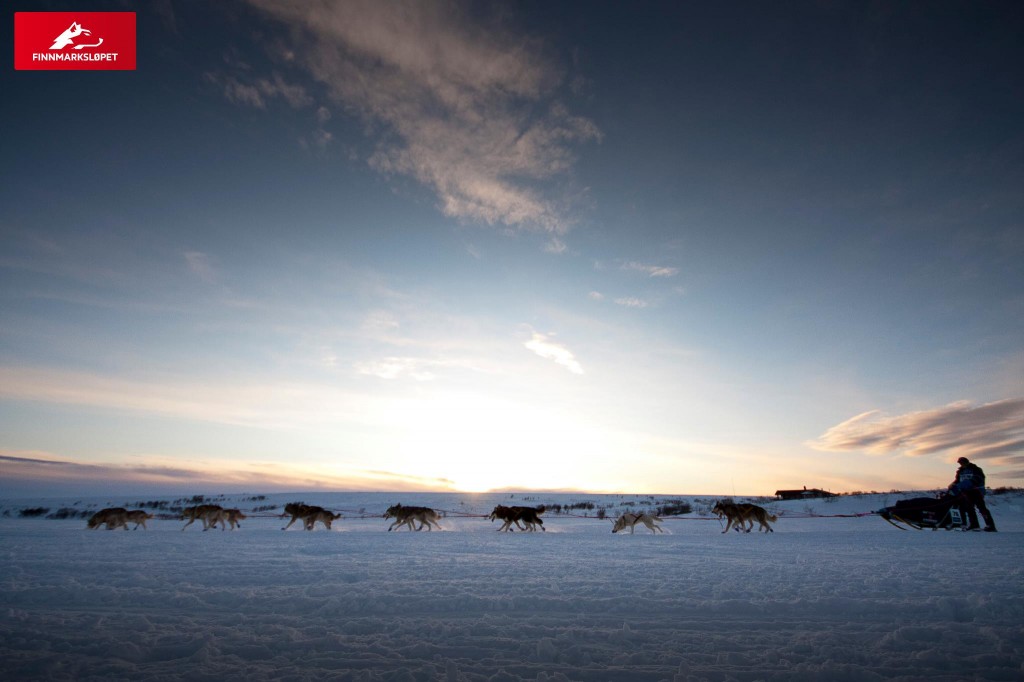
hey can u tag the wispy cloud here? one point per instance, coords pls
(321, 136)
(257, 92)
(556, 246)
(651, 270)
(470, 109)
(268, 404)
(399, 367)
(201, 266)
(632, 302)
(993, 430)
(53, 474)
(545, 347)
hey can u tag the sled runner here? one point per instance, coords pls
(925, 512)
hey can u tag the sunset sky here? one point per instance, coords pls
(643, 247)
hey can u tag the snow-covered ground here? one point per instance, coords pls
(823, 598)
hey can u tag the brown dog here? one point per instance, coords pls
(298, 510)
(406, 516)
(138, 517)
(742, 516)
(323, 516)
(114, 517)
(234, 517)
(209, 514)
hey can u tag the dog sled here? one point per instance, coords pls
(926, 512)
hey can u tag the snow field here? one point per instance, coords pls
(820, 599)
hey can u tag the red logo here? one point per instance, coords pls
(74, 41)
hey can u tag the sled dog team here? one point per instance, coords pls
(740, 517)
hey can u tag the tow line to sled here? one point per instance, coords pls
(359, 514)
(897, 521)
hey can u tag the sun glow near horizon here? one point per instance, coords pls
(485, 442)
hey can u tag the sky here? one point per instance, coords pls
(702, 248)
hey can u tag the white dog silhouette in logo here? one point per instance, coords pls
(68, 36)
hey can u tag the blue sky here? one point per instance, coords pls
(472, 246)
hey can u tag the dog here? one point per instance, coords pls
(735, 515)
(741, 516)
(406, 516)
(298, 510)
(630, 519)
(518, 515)
(530, 516)
(211, 517)
(323, 516)
(114, 517)
(138, 517)
(209, 514)
(234, 517)
(761, 515)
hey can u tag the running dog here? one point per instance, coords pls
(114, 517)
(518, 515)
(138, 517)
(734, 514)
(209, 514)
(741, 516)
(405, 516)
(234, 517)
(323, 516)
(761, 515)
(507, 515)
(298, 510)
(630, 519)
(530, 516)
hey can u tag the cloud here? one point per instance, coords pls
(258, 92)
(55, 475)
(269, 404)
(200, 265)
(543, 346)
(29, 457)
(632, 302)
(397, 367)
(651, 270)
(464, 107)
(990, 431)
(556, 246)
(322, 138)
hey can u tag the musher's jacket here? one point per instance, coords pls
(968, 477)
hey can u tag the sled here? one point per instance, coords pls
(925, 512)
